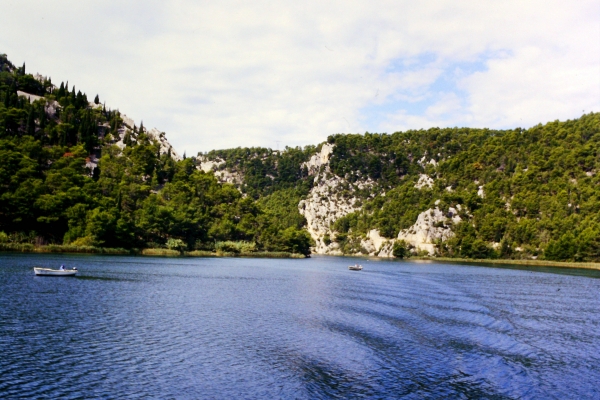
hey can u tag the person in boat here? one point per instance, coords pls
(62, 268)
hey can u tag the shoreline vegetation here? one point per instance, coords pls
(159, 252)
(55, 248)
(533, 263)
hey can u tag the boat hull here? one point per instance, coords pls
(54, 272)
(355, 268)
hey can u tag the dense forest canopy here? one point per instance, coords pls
(134, 196)
(533, 191)
(73, 172)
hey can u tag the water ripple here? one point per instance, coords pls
(246, 328)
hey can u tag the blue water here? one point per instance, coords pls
(138, 327)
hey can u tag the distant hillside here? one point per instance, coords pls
(76, 172)
(457, 192)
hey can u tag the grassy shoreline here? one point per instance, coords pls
(532, 263)
(55, 248)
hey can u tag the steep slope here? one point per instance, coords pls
(74, 172)
(455, 192)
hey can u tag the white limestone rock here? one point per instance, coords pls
(480, 192)
(431, 225)
(207, 165)
(325, 204)
(165, 146)
(223, 175)
(386, 249)
(319, 159)
(424, 181)
(377, 245)
(226, 176)
(51, 107)
(30, 97)
(331, 198)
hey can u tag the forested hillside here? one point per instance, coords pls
(74, 171)
(469, 193)
(518, 193)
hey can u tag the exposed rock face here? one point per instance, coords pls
(51, 107)
(431, 225)
(423, 161)
(480, 192)
(30, 97)
(223, 175)
(330, 198)
(207, 165)
(377, 245)
(165, 146)
(325, 204)
(154, 134)
(424, 181)
(319, 159)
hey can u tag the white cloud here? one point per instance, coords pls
(228, 74)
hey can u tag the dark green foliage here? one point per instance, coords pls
(264, 170)
(282, 205)
(134, 196)
(373, 155)
(400, 249)
(541, 187)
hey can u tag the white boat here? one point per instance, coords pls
(355, 267)
(55, 272)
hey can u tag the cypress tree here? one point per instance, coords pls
(61, 90)
(127, 139)
(79, 100)
(96, 100)
(31, 122)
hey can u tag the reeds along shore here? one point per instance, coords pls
(58, 248)
(55, 248)
(533, 263)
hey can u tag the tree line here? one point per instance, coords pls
(134, 196)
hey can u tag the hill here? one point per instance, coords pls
(76, 172)
(453, 192)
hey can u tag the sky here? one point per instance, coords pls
(216, 75)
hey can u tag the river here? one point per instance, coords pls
(142, 327)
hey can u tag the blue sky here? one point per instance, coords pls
(416, 101)
(232, 73)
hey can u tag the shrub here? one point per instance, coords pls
(83, 241)
(235, 247)
(400, 249)
(176, 244)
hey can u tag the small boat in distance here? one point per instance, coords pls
(355, 267)
(55, 272)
